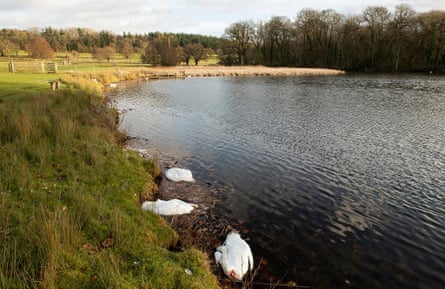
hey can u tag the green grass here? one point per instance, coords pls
(69, 197)
(19, 84)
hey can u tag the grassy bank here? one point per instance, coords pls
(69, 199)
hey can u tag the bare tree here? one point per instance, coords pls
(377, 18)
(403, 18)
(198, 52)
(188, 53)
(433, 39)
(241, 33)
(351, 46)
(278, 32)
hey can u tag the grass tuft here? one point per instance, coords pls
(69, 201)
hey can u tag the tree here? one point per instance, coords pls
(56, 38)
(151, 55)
(40, 48)
(227, 53)
(180, 54)
(198, 52)
(241, 33)
(403, 18)
(8, 47)
(278, 37)
(105, 39)
(124, 46)
(107, 53)
(433, 39)
(309, 28)
(166, 46)
(169, 57)
(187, 53)
(377, 18)
(351, 45)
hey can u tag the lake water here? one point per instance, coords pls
(339, 179)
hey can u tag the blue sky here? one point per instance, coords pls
(209, 17)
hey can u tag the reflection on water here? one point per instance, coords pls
(339, 179)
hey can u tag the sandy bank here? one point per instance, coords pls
(199, 71)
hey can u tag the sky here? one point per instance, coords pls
(207, 17)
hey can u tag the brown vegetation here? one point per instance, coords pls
(40, 48)
(257, 70)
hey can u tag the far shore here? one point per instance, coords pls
(201, 71)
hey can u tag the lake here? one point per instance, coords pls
(340, 180)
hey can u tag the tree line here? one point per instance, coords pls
(154, 47)
(375, 40)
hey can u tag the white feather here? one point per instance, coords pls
(234, 256)
(168, 208)
(179, 175)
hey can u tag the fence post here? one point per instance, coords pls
(11, 67)
(42, 64)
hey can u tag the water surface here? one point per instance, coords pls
(340, 179)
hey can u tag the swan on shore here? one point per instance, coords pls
(179, 175)
(234, 256)
(168, 208)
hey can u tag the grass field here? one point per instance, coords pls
(70, 195)
(14, 84)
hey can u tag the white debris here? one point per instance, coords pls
(168, 208)
(179, 175)
(234, 256)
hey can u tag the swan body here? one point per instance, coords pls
(234, 256)
(168, 208)
(178, 175)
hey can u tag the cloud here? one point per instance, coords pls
(20, 5)
(161, 8)
(192, 16)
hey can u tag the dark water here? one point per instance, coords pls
(341, 180)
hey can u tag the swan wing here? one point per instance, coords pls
(179, 175)
(168, 208)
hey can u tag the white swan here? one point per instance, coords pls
(168, 208)
(178, 175)
(234, 256)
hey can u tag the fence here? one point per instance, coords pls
(33, 67)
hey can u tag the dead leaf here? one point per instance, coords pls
(107, 243)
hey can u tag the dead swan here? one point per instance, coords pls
(234, 256)
(179, 175)
(168, 208)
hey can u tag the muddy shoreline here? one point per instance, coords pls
(205, 228)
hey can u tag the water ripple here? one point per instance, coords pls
(334, 175)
